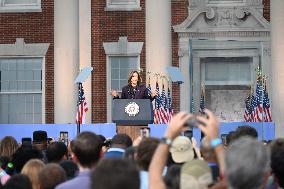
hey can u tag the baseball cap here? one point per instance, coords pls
(182, 150)
(195, 174)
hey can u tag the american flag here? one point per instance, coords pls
(266, 105)
(157, 113)
(170, 108)
(164, 107)
(258, 96)
(202, 100)
(253, 108)
(82, 106)
(248, 110)
(149, 88)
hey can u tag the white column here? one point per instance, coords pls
(184, 62)
(66, 59)
(85, 50)
(277, 60)
(158, 36)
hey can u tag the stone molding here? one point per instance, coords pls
(123, 47)
(20, 48)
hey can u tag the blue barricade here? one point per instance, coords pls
(265, 130)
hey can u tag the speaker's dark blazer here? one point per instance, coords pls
(128, 92)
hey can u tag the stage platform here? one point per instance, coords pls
(266, 131)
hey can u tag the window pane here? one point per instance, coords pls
(29, 118)
(37, 98)
(3, 117)
(4, 65)
(12, 65)
(124, 73)
(20, 74)
(8, 75)
(132, 62)
(120, 69)
(37, 86)
(115, 84)
(20, 108)
(29, 75)
(37, 118)
(21, 85)
(114, 62)
(37, 75)
(17, 118)
(227, 69)
(124, 63)
(23, 2)
(115, 73)
(12, 86)
(21, 64)
(123, 83)
(37, 108)
(4, 106)
(29, 108)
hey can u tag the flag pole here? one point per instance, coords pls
(261, 81)
(82, 76)
(78, 110)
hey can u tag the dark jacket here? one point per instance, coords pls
(140, 92)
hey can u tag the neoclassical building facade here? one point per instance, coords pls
(216, 43)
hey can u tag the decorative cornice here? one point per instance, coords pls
(230, 16)
(123, 47)
(225, 34)
(20, 48)
(220, 3)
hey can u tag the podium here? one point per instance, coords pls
(132, 114)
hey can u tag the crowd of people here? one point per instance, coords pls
(91, 161)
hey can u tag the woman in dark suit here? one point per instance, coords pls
(135, 89)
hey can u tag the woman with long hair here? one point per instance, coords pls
(32, 169)
(134, 89)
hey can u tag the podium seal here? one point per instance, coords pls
(132, 109)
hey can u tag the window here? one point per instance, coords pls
(122, 57)
(227, 70)
(122, 5)
(20, 5)
(20, 90)
(120, 69)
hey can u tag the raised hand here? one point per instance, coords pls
(177, 124)
(114, 93)
(210, 125)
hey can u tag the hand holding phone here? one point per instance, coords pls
(63, 137)
(210, 126)
(145, 132)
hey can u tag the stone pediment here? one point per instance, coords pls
(234, 18)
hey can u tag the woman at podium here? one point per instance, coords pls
(135, 89)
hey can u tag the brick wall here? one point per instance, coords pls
(34, 28)
(266, 9)
(108, 26)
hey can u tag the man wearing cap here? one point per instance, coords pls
(208, 125)
(195, 174)
(181, 150)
